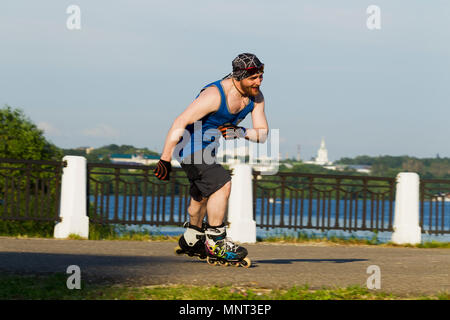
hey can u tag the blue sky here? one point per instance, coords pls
(135, 65)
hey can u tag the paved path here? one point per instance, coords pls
(404, 271)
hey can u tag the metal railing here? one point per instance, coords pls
(130, 194)
(324, 202)
(30, 189)
(435, 206)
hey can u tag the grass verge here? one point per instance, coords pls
(120, 232)
(306, 238)
(54, 287)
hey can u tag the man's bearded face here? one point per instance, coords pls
(251, 85)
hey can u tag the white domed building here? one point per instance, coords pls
(322, 156)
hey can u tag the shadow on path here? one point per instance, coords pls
(33, 262)
(290, 261)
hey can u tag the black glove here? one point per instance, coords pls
(162, 170)
(230, 131)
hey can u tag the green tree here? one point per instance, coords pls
(20, 138)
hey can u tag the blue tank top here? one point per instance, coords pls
(204, 134)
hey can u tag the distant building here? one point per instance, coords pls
(322, 156)
(138, 159)
(229, 154)
(87, 150)
(322, 160)
(361, 168)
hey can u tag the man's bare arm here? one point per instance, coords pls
(208, 101)
(260, 126)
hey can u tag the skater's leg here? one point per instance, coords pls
(217, 242)
(192, 241)
(217, 205)
(197, 211)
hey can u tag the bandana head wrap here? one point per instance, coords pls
(245, 65)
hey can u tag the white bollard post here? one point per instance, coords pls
(73, 200)
(406, 219)
(240, 205)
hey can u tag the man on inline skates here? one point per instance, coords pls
(217, 110)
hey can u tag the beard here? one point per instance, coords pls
(251, 91)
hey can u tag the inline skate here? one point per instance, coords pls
(221, 250)
(192, 242)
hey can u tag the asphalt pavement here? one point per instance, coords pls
(403, 271)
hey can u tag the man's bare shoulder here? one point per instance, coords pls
(209, 99)
(210, 92)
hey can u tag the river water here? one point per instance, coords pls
(133, 207)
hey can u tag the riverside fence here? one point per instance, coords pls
(30, 189)
(435, 206)
(325, 202)
(127, 194)
(130, 194)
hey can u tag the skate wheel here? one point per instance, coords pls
(211, 261)
(224, 263)
(201, 257)
(246, 263)
(178, 251)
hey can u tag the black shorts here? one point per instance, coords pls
(205, 179)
